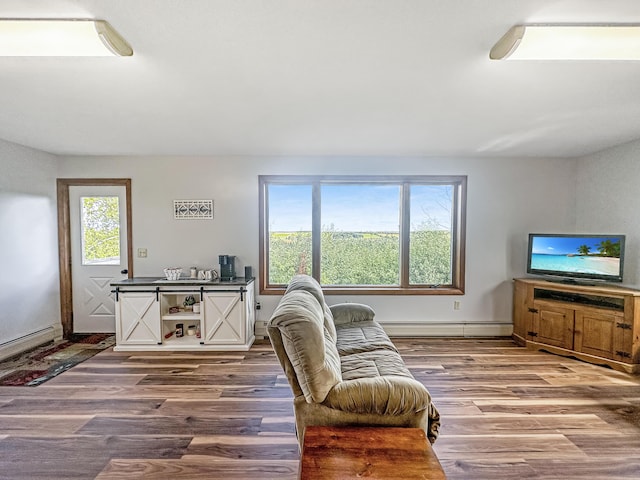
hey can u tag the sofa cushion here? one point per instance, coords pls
(377, 382)
(376, 363)
(309, 284)
(313, 355)
(362, 337)
(380, 395)
(351, 313)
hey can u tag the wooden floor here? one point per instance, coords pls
(507, 413)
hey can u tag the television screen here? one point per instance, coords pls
(590, 257)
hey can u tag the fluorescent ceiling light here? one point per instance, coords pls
(569, 42)
(60, 38)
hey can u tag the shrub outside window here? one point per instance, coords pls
(100, 226)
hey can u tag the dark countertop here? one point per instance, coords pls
(186, 282)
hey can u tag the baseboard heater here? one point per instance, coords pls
(431, 329)
(26, 342)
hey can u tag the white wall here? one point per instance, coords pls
(507, 198)
(29, 280)
(608, 200)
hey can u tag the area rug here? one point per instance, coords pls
(36, 366)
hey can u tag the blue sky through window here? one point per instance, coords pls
(361, 208)
(358, 208)
(290, 208)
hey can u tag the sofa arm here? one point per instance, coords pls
(385, 395)
(351, 312)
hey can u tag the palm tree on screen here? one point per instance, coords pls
(607, 248)
(584, 249)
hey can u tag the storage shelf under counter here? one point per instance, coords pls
(145, 321)
(181, 316)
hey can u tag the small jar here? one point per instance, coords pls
(179, 330)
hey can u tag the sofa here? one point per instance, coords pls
(342, 367)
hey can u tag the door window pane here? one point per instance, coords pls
(430, 238)
(100, 226)
(289, 220)
(360, 241)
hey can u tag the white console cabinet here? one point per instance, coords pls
(151, 315)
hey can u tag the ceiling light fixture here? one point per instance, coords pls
(569, 42)
(60, 38)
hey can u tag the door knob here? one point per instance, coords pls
(125, 271)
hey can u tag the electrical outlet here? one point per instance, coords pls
(456, 305)
(142, 253)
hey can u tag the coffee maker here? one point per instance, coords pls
(227, 267)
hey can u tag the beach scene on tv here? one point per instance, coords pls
(597, 255)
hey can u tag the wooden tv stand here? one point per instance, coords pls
(597, 324)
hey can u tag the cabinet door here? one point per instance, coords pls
(553, 325)
(224, 319)
(250, 313)
(138, 319)
(597, 333)
(521, 311)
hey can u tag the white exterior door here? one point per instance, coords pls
(99, 254)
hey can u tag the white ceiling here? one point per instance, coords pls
(319, 77)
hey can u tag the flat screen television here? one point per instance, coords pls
(576, 258)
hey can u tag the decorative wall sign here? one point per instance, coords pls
(193, 209)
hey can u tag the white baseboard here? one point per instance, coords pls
(487, 329)
(261, 329)
(448, 329)
(31, 340)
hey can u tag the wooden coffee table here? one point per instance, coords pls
(331, 453)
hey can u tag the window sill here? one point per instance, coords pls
(369, 290)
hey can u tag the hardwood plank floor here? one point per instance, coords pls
(507, 413)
